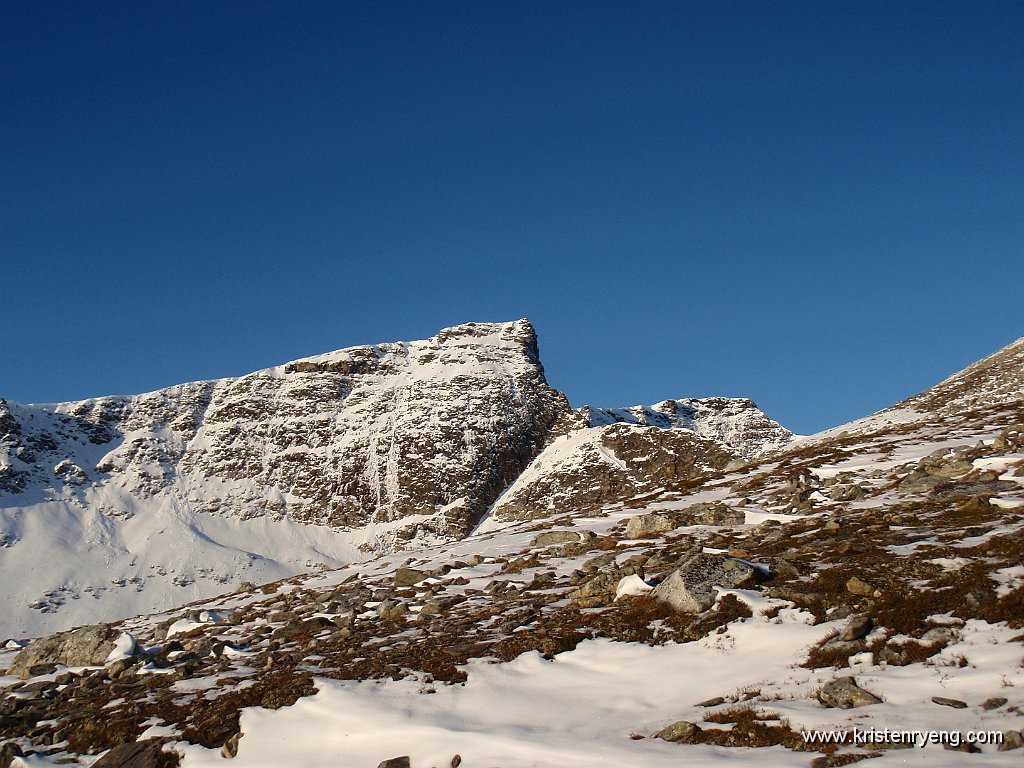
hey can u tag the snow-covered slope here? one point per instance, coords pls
(796, 608)
(997, 379)
(115, 505)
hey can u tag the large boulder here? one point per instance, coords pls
(147, 753)
(712, 513)
(555, 538)
(82, 647)
(690, 587)
(844, 693)
(644, 526)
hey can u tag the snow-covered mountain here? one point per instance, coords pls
(117, 505)
(829, 601)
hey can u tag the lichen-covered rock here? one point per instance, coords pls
(85, 646)
(651, 524)
(844, 693)
(690, 586)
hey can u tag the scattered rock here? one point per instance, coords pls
(90, 735)
(120, 667)
(690, 587)
(713, 513)
(955, 703)
(230, 748)
(859, 587)
(600, 590)
(8, 752)
(395, 762)
(1011, 740)
(39, 669)
(600, 561)
(438, 605)
(858, 628)
(680, 732)
(963, 746)
(391, 610)
(993, 703)
(713, 702)
(938, 636)
(844, 693)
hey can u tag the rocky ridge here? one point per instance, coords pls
(614, 454)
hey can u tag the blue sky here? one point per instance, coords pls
(816, 205)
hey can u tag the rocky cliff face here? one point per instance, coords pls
(429, 431)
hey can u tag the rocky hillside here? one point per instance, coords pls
(116, 505)
(614, 454)
(829, 603)
(994, 379)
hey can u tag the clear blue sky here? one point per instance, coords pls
(816, 205)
